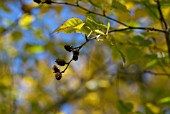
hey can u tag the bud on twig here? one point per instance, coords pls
(60, 62)
(68, 48)
(56, 69)
(75, 57)
(76, 52)
(58, 75)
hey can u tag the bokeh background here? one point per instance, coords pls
(97, 83)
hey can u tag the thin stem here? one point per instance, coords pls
(87, 40)
(139, 28)
(66, 66)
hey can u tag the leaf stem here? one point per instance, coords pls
(66, 66)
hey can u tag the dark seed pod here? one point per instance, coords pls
(68, 48)
(37, 1)
(60, 62)
(76, 52)
(75, 57)
(55, 69)
(58, 75)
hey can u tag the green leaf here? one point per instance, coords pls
(124, 108)
(2, 29)
(165, 3)
(98, 5)
(139, 40)
(117, 5)
(4, 7)
(93, 24)
(165, 100)
(151, 9)
(113, 42)
(138, 112)
(122, 55)
(133, 54)
(151, 63)
(16, 35)
(71, 25)
(100, 32)
(32, 49)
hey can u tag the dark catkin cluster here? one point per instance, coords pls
(62, 62)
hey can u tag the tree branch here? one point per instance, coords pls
(164, 26)
(110, 18)
(139, 28)
(103, 15)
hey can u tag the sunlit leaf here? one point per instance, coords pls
(153, 108)
(151, 63)
(26, 20)
(71, 25)
(100, 32)
(33, 48)
(165, 100)
(108, 27)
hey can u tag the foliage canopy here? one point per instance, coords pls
(112, 56)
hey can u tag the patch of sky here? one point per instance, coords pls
(13, 14)
(144, 22)
(67, 108)
(16, 66)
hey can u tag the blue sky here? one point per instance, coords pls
(48, 21)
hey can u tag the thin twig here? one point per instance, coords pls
(66, 66)
(139, 28)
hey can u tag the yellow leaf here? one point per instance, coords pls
(100, 32)
(153, 108)
(26, 20)
(70, 25)
(78, 27)
(108, 27)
